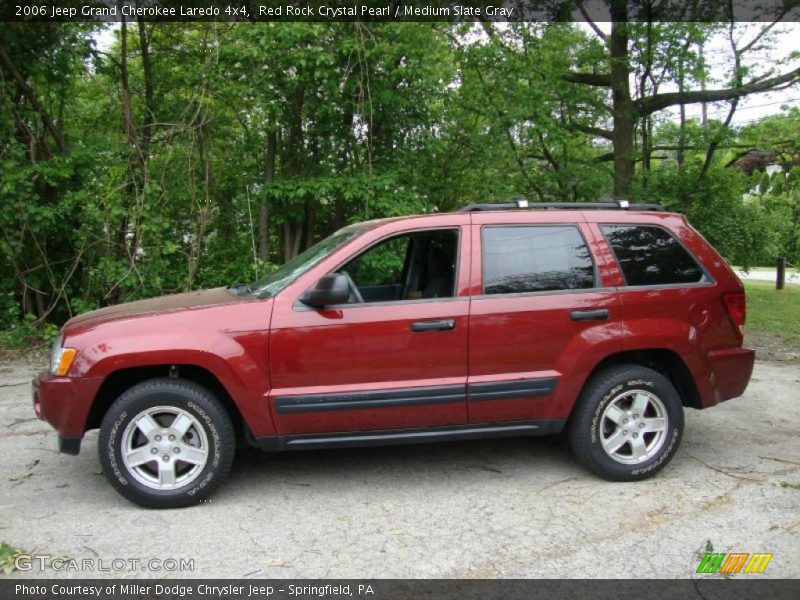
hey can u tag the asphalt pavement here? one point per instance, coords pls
(499, 508)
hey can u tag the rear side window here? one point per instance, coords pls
(535, 259)
(651, 256)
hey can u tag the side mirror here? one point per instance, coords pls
(331, 289)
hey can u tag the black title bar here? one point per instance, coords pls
(398, 10)
(703, 588)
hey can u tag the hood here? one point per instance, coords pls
(150, 306)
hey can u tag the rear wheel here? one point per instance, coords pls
(166, 443)
(627, 423)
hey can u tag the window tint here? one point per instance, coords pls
(380, 265)
(651, 256)
(277, 280)
(535, 259)
(407, 267)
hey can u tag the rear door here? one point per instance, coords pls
(540, 317)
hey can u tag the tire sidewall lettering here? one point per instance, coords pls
(204, 409)
(113, 450)
(664, 455)
(667, 450)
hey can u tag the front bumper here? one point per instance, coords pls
(65, 402)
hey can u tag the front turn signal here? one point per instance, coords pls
(63, 361)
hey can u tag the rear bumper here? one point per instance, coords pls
(729, 374)
(64, 402)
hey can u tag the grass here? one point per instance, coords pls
(772, 311)
(8, 556)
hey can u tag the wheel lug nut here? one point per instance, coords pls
(635, 435)
(635, 416)
(153, 450)
(158, 438)
(625, 420)
(624, 432)
(176, 450)
(172, 438)
(641, 425)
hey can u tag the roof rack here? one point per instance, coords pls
(523, 203)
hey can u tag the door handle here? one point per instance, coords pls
(589, 315)
(441, 325)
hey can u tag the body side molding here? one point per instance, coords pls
(520, 388)
(370, 399)
(408, 436)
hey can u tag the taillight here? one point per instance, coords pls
(737, 310)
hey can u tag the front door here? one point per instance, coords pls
(393, 357)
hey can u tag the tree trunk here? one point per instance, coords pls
(682, 130)
(645, 154)
(149, 96)
(622, 111)
(269, 178)
(308, 227)
(704, 105)
(127, 127)
(27, 91)
(292, 236)
(293, 230)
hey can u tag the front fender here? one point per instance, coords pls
(244, 380)
(237, 358)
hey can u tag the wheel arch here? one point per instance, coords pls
(118, 382)
(667, 362)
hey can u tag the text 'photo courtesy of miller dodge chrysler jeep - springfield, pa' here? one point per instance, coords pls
(604, 320)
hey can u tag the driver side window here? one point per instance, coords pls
(406, 267)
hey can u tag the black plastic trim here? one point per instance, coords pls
(589, 315)
(437, 325)
(69, 445)
(544, 293)
(522, 388)
(613, 205)
(391, 437)
(370, 399)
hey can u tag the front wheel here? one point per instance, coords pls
(166, 443)
(627, 423)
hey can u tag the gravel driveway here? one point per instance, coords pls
(504, 508)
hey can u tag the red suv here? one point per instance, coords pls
(599, 318)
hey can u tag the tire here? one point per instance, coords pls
(186, 431)
(610, 433)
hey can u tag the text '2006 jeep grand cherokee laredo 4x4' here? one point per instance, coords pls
(487, 322)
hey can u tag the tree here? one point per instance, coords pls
(627, 110)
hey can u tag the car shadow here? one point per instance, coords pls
(405, 464)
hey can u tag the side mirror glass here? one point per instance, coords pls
(331, 289)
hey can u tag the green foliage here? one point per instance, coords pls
(25, 333)
(780, 198)
(774, 311)
(8, 557)
(381, 265)
(120, 184)
(739, 228)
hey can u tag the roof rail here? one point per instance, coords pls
(523, 203)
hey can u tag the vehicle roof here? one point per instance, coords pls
(529, 216)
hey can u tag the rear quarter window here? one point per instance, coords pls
(650, 255)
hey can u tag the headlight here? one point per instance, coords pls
(61, 358)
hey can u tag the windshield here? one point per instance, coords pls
(277, 280)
